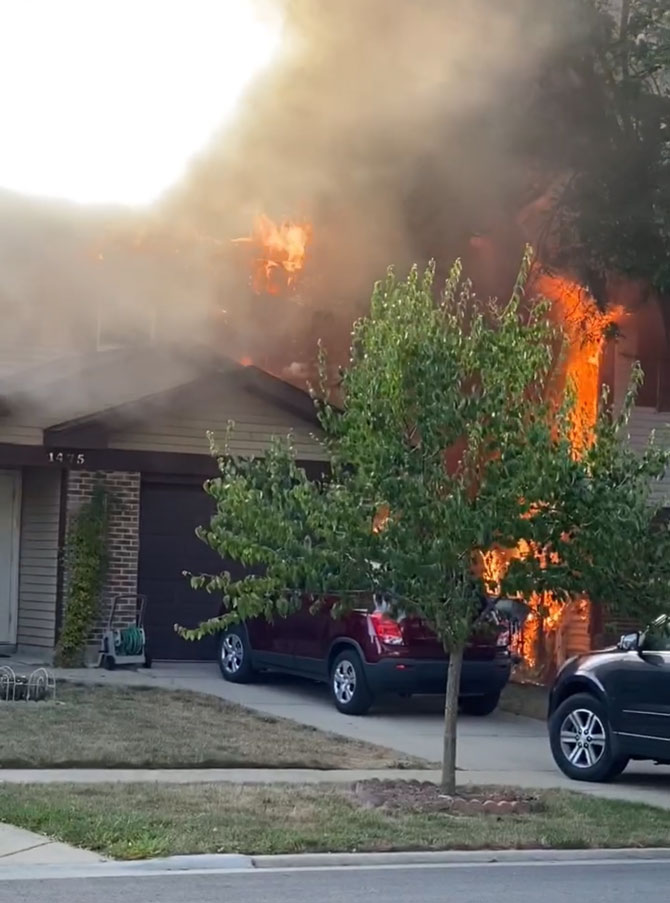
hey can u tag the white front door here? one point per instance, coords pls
(10, 486)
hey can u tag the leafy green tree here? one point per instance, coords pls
(598, 131)
(452, 439)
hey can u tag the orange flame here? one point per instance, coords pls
(586, 328)
(280, 251)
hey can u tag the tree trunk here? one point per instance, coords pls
(450, 720)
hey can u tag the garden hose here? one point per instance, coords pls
(130, 641)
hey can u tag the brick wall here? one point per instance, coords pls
(123, 494)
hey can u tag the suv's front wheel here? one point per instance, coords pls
(581, 740)
(348, 685)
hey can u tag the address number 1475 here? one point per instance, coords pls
(67, 458)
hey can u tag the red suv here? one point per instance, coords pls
(366, 653)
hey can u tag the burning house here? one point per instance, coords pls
(127, 336)
(133, 412)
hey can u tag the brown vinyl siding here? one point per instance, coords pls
(38, 557)
(576, 632)
(256, 421)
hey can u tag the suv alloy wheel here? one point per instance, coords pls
(235, 656)
(348, 685)
(581, 740)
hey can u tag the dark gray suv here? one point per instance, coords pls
(612, 706)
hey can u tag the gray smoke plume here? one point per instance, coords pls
(386, 123)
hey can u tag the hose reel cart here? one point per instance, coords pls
(125, 645)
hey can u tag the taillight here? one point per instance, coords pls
(386, 629)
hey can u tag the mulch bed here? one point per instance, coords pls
(424, 796)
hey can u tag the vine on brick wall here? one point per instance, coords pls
(86, 561)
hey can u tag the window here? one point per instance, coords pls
(654, 356)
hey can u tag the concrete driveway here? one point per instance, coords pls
(414, 726)
(499, 749)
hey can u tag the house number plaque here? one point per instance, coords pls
(61, 457)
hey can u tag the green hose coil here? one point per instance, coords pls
(130, 641)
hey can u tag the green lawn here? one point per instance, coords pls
(110, 727)
(144, 820)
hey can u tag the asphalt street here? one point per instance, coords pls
(603, 882)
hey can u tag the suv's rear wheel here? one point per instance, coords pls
(348, 685)
(581, 740)
(235, 656)
(480, 705)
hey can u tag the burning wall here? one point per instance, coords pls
(553, 632)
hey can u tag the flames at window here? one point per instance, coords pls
(279, 251)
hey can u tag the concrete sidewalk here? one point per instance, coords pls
(19, 847)
(631, 790)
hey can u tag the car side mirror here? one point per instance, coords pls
(629, 642)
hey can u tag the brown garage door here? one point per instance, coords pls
(169, 514)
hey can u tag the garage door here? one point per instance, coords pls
(169, 515)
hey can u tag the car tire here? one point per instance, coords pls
(348, 686)
(480, 705)
(235, 656)
(581, 740)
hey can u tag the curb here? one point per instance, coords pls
(194, 862)
(203, 864)
(138, 868)
(454, 857)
